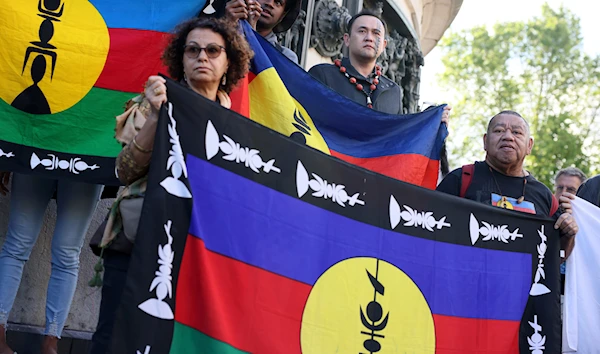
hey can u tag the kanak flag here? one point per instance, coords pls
(290, 271)
(254, 243)
(68, 68)
(285, 98)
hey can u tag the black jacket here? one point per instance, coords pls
(386, 98)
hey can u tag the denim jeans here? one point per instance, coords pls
(29, 198)
(116, 265)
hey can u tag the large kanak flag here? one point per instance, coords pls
(285, 98)
(581, 322)
(68, 67)
(253, 243)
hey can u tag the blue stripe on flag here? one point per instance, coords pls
(249, 222)
(154, 15)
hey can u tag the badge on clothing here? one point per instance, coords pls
(512, 204)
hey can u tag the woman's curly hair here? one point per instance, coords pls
(237, 49)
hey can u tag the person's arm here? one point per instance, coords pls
(566, 224)
(132, 162)
(236, 10)
(241, 10)
(254, 13)
(446, 115)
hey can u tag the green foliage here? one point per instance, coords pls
(537, 68)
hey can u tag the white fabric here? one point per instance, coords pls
(581, 321)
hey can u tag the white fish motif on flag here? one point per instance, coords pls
(162, 284)
(491, 232)
(175, 162)
(233, 151)
(323, 189)
(415, 218)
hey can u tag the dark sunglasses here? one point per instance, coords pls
(212, 50)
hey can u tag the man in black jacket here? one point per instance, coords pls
(359, 77)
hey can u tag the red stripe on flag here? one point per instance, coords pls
(257, 311)
(133, 56)
(240, 98)
(412, 168)
(249, 308)
(251, 76)
(524, 210)
(456, 335)
(431, 174)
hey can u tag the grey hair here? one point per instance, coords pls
(571, 171)
(509, 112)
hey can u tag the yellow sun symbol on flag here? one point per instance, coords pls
(53, 52)
(363, 305)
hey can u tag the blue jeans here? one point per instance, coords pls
(29, 198)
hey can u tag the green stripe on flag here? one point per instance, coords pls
(188, 340)
(88, 128)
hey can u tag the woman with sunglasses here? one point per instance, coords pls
(209, 56)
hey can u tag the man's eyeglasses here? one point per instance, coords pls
(212, 50)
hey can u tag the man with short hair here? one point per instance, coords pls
(267, 17)
(568, 180)
(502, 181)
(359, 77)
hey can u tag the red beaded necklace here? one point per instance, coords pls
(360, 87)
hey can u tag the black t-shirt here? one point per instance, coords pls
(484, 189)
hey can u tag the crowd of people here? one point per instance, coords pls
(209, 55)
